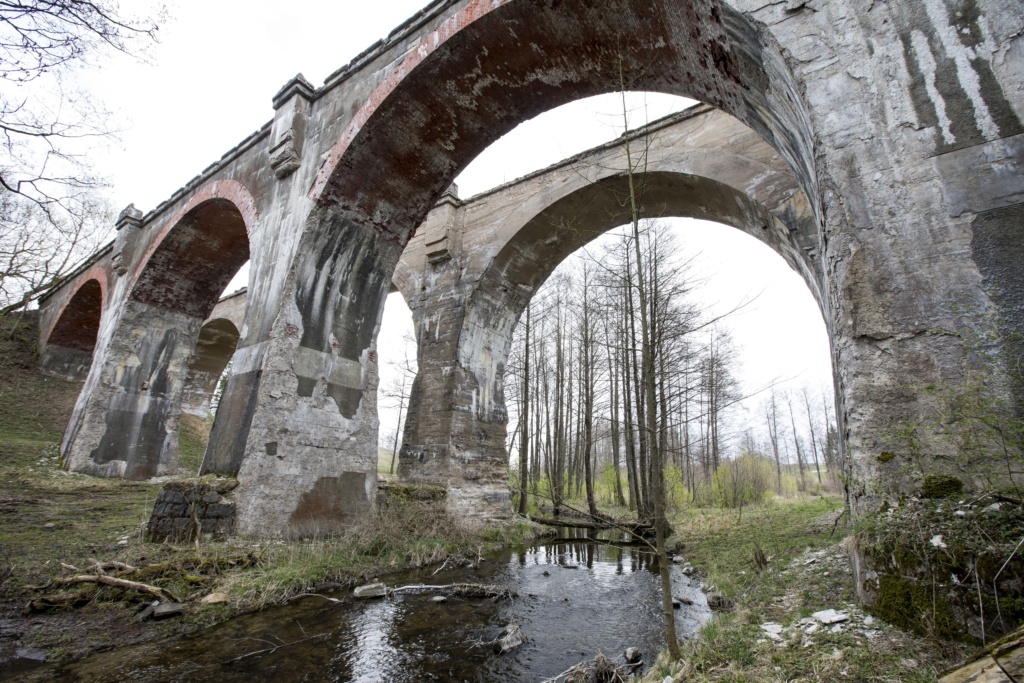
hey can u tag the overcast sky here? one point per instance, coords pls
(209, 82)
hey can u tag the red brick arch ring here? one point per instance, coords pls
(77, 323)
(197, 250)
(496, 63)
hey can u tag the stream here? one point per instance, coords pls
(576, 597)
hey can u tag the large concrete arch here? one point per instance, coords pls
(466, 84)
(125, 420)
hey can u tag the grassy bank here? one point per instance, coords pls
(50, 518)
(807, 571)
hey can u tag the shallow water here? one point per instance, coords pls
(576, 597)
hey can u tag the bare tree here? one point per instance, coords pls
(796, 440)
(398, 391)
(49, 211)
(815, 441)
(38, 249)
(42, 43)
(524, 420)
(771, 413)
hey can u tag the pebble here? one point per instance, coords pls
(49, 525)
(439, 598)
(830, 616)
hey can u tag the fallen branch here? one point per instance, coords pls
(272, 649)
(155, 591)
(101, 567)
(314, 595)
(600, 668)
(632, 528)
(469, 590)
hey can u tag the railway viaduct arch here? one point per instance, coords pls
(899, 125)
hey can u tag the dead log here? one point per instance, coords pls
(155, 591)
(634, 528)
(469, 590)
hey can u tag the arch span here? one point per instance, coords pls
(483, 69)
(472, 79)
(455, 430)
(217, 341)
(125, 423)
(69, 342)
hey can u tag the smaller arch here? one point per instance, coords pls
(71, 340)
(218, 339)
(211, 230)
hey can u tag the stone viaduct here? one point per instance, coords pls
(876, 146)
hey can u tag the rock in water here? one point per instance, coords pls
(632, 655)
(511, 637)
(371, 590)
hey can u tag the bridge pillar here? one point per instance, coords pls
(297, 423)
(125, 423)
(455, 424)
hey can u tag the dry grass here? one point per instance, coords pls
(807, 572)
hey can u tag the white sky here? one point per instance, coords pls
(209, 82)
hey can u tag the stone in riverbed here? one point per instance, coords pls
(371, 590)
(632, 655)
(510, 638)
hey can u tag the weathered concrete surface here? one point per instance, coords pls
(900, 123)
(125, 422)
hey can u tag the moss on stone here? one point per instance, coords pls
(941, 486)
(915, 607)
(401, 492)
(885, 456)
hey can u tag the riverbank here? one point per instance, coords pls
(781, 564)
(55, 525)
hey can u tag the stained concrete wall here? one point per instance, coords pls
(899, 122)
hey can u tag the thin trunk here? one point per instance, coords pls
(814, 440)
(656, 483)
(524, 422)
(616, 455)
(796, 442)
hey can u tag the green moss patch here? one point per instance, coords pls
(941, 486)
